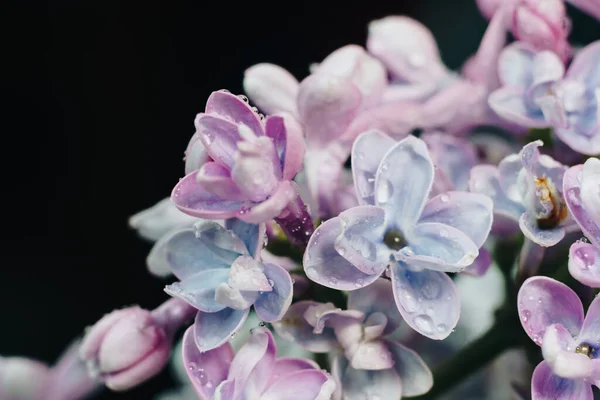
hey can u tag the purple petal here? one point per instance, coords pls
(327, 104)
(584, 264)
(543, 302)
(206, 370)
(403, 182)
(440, 247)
(354, 63)
(163, 217)
(485, 62)
(470, 213)
(377, 298)
(427, 300)
(509, 103)
(547, 386)
(252, 235)
(218, 178)
(288, 138)
(301, 385)
(211, 330)
(485, 180)
(188, 254)
(271, 306)
(286, 365)
(252, 365)
(294, 327)
(285, 192)
(585, 64)
(347, 324)
(543, 237)
(359, 384)
(367, 152)
(219, 136)
(413, 372)
(324, 265)
(225, 391)
(271, 88)
(577, 209)
(235, 109)
(590, 332)
(414, 59)
(191, 198)
(481, 264)
(371, 355)
(199, 290)
(557, 348)
(360, 241)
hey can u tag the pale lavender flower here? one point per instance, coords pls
(527, 192)
(552, 315)
(248, 164)
(397, 226)
(366, 361)
(253, 372)
(26, 379)
(222, 276)
(581, 186)
(543, 24)
(131, 345)
(536, 92)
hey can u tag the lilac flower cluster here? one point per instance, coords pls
(390, 235)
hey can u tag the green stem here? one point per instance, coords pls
(502, 336)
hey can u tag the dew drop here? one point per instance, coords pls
(384, 191)
(312, 272)
(445, 198)
(359, 283)
(341, 251)
(409, 303)
(243, 98)
(526, 315)
(586, 257)
(441, 328)
(424, 323)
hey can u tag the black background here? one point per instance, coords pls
(101, 99)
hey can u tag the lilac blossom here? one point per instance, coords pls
(367, 362)
(527, 192)
(222, 276)
(129, 346)
(246, 165)
(397, 226)
(542, 24)
(552, 315)
(338, 101)
(537, 92)
(581, 186)
(253, 372)
(26, 379)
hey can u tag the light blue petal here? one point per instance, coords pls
(213, 329)
(359, 384)
(270, 306)
(427, 300)
(252, 235)
(199, 290)
(403, 182)
(414, 373)
(187, 255)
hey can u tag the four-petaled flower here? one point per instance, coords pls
(371, 364)
(238, 164)
(222, 276)
(526, 189)
(552, 315)
(397, 226)
(253, 373)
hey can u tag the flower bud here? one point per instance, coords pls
(22, 379)
(125, 348)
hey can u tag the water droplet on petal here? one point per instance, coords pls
(384, 191)
(312, 272)
(424, 323)
(445, 198)
(441, 328)
(586, 257)
(526, 315)
(243, 98)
